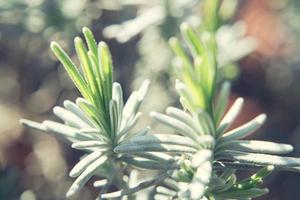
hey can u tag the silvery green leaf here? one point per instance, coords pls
(84, 163)
(290, 169)
(237, 194)
(163, 139)
(154, 147)
(137, 188)
(72, 107)
(96, 114)
(184, 117)
(236, 165)
(34, 125)
(133, 178)
(165, 191)
(177, 125)
(117, 95)
(155, 156)
(66, 132)
(205, 141)
(69, 118)
(132, 134)
(256, 146)
(186, 98)
(133, 103)
(231, 115)
(200, 180)
(100, 183)
(246, 129)
(130, 108)
(200, 157)
(260, 159)
(114, 118)
(202, 162)
(162, 197)
(171, 184)
(95, 133)
(85, 176)
(206, 122)
(90, 131)
(149, 164)
(89, 144)
(222, 101)
(124, 133)
(143, 90)
(252, 166)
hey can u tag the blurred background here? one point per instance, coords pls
(259, 51)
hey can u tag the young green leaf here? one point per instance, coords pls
(72, 70)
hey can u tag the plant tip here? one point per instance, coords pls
(53, 45)
(85, 29)
(77, 40)
(261, 118)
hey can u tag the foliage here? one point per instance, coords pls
(156, 21)
(199, 161)
(99, 121)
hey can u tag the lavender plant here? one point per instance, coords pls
(98, 122)
(209, 171)
(198, 162)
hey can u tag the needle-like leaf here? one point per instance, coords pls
(72, 70)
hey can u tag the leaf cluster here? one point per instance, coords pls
(198, 162)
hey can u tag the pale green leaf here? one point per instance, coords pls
(256, 146)
(90, 144)
(34, 125)
(69, 117)
(152, 147)
(185, 118)
(87, 67)
(200, 180)
(72, 107)
(163, 139)
(85, 176)
(89, 37)
(246, 129)
(260, 159)
(231, 115)
(84, 163)
(177, 125)
(137, 188)
(72, 70)
(222, 101)
(238, 194)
